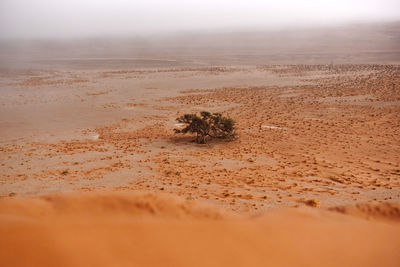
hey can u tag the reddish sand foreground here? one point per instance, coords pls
(116, 229)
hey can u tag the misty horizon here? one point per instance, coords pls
(45, 19)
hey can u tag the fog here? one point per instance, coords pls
(94, 18)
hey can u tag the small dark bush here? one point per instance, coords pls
(207, 125)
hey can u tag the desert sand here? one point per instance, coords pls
(157, 230)
(92, 173)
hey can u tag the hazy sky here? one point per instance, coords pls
(69, 18)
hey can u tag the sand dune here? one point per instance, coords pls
(153, 230)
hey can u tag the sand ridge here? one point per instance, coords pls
(152, 229)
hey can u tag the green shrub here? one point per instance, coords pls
(207, 125)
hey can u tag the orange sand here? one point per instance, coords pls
(153, 230)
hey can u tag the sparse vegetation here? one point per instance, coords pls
(207, 126)
(310, 202)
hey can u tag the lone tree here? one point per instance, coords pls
(211, 125)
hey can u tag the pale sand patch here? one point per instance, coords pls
(272, 127)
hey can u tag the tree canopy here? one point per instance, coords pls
(207, 126)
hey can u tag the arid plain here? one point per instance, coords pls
(91, 171)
